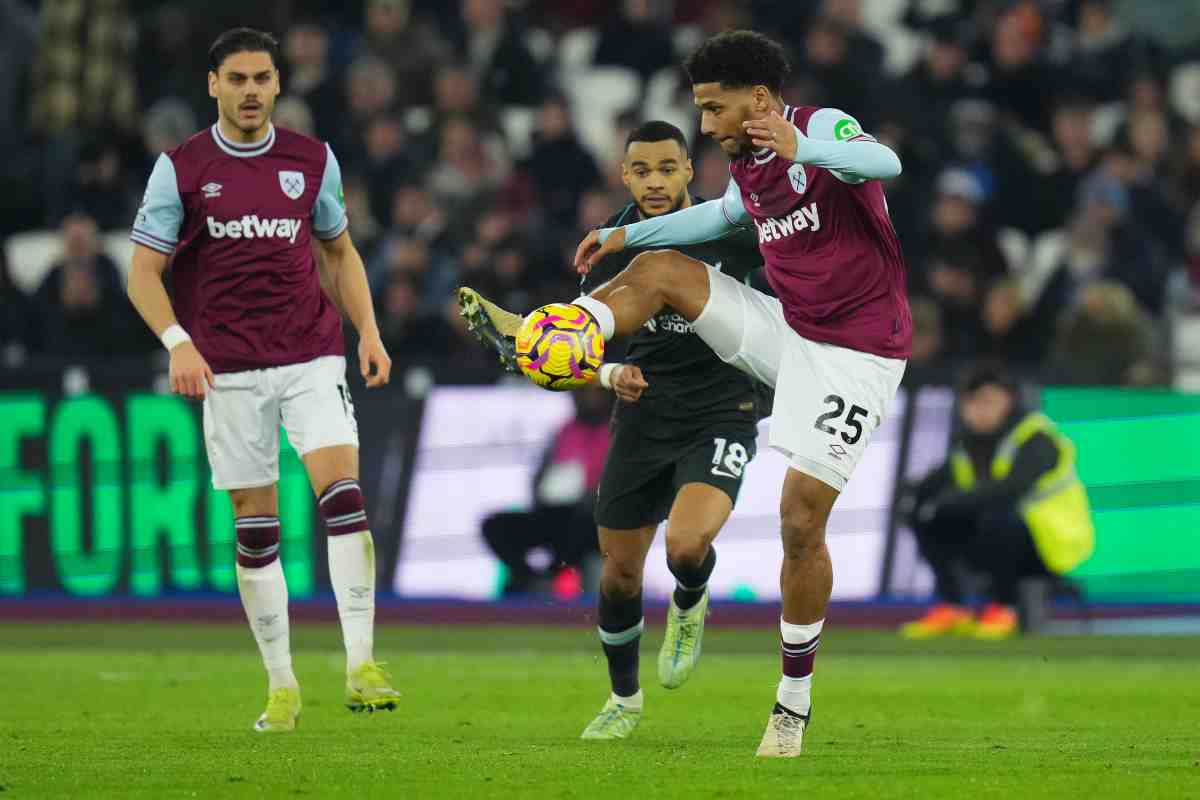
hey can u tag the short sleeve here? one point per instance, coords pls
(835, 125)
(329, 213)
(160, 216)
(732, 206)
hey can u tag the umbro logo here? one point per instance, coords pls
(837, 451)
(211, 190)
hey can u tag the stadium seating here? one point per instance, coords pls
(518, 125)
(33, 253)
(662, 102)
(598, 95)
(1185, 351)
(1184, 91)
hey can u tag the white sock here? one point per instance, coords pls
(602, 313)
(634, 702)
(352, 573)
(795, 693)
(265, 598)
(799, 634)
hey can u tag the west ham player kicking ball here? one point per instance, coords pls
(835, 341)
(253, 334)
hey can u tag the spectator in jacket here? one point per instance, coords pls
(1007, 505)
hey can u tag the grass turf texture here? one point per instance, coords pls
(165, 711)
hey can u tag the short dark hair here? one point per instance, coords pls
(242, 40)
(656, 130)
(987, 373)
(739, 59)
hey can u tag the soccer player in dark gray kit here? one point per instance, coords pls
(233, 211)
(684, 429)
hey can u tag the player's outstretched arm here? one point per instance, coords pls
(834, 141)
(348, 283)
(703, 222)
(190, 373)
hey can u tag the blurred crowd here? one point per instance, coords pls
(1049, 206)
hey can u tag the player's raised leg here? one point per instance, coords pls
(620, 627)
(621, 306)
(806, 583)
(651, 281)
(265, 598)
(696, 518)
(333, 472)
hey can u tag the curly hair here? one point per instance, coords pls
(739, 59)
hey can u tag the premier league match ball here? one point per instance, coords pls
(560, 347)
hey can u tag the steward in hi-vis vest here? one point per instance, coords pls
(1006, 505)
(1056, 507)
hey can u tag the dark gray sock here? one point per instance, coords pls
(691, 582)
(621, 636)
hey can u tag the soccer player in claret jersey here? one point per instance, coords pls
(833, 344)
(234, 211)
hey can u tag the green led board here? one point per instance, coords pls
(1139, 456)
(118, 491)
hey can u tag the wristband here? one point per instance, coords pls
(606, 373)
(174, 336)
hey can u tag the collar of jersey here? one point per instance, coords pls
(765, 154)
(244, 150)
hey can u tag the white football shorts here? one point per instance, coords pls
(243, 412)
(828, 399)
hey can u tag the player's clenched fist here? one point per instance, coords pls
(190, 373)
(773, 132)
(374, 361)
(591, 250)
(628, 383)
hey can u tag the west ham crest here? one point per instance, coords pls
(292, 183)
(797, 177)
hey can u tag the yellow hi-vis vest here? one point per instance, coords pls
(1056, 509)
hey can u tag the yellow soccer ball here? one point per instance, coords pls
(560, 346)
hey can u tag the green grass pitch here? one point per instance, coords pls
(154, 711)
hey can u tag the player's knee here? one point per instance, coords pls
(688, 551)
(257, 540)
(802, 527)
(242, 506)
(254, 502)
(343, 508)
(663, 270)
(620, 580)
(675, 279)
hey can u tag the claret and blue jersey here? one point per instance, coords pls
(831, 253)
(239, 221)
